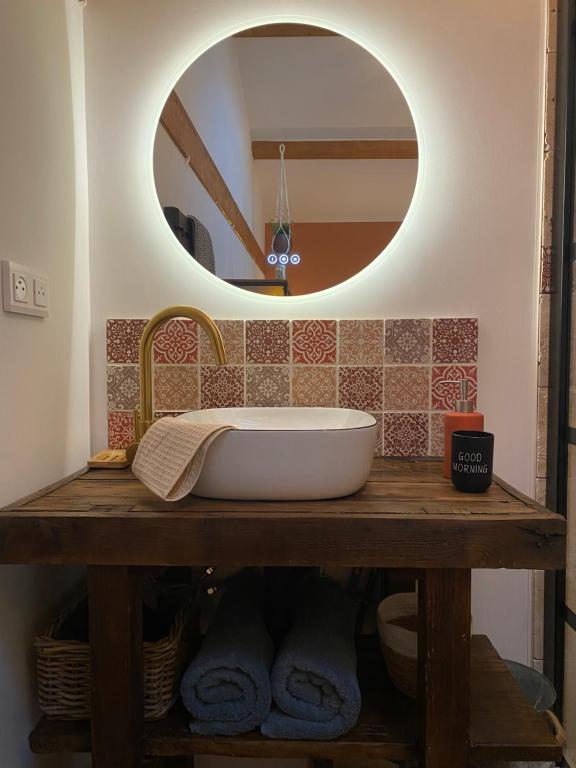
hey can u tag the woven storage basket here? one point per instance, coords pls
(63, 671)
(399, 643)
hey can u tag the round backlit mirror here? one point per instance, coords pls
(285, 159)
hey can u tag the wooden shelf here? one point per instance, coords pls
(503, 724)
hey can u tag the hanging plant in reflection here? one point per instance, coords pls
(281, 245)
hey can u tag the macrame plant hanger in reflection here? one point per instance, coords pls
(282, 232)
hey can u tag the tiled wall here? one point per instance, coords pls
(395, 369)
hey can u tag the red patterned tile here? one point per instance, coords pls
(233, 335)
(437, 434)
(314, 386)
(403, 388)
(455, 340)
(405, 434)
(445, 389)
(123, 340)
(268, 385)
(407, 388)
(314, 341)
(361, 342)
(123, 387)
(120, 429)
(267, 341)
(176, 387)
(177, 342)
(221, 386)
(407, 341)
(360, 388)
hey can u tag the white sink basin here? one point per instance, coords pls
(286, 453)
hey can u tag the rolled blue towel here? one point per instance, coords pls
(226, 688)
(314, 683)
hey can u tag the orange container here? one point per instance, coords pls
(463, 417)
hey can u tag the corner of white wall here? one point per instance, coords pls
(44, 378)
(79, 413)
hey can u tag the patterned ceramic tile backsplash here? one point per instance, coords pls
(395, 369)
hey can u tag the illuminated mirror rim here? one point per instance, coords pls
(345, 285)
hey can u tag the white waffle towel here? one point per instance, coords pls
(170, 456)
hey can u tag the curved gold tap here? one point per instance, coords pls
(144, 416)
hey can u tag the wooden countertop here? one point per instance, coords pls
(407, 515)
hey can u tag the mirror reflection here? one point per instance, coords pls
(285, 159)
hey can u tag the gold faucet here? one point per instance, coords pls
(144, 416)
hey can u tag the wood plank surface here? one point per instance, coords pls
(503, 724)
(347, 149)
(407, 515)
(115, 597)
(444, 598)
(180, 128)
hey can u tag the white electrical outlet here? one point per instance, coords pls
(24, 291)
(20, 288)
(41, 292)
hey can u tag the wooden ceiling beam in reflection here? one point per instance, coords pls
(177, 123)
(337, 150)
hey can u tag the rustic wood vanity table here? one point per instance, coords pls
(407, 516)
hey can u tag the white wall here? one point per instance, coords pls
(212, 92)
(44, 376)
(472, 75)
(341, 190)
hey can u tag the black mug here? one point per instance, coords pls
(472, 456)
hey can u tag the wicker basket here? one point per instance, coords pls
(399, 640)
(63, 670)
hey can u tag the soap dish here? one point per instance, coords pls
(109, 459)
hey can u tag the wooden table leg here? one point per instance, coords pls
(444, 667)
(115, 596)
